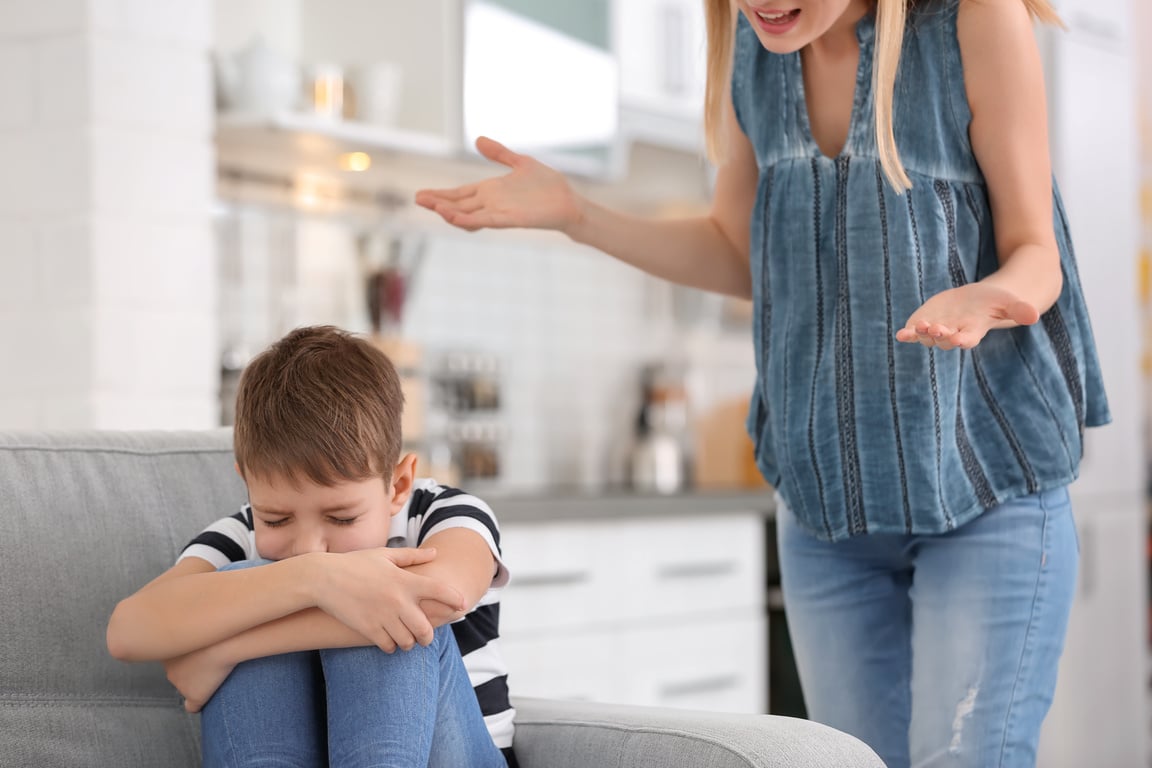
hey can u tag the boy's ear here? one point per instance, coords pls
(236, 466)
(403, 478)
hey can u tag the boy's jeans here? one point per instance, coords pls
(349, 707)
(936, 650)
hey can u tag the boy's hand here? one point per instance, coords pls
(960, 317)
(369, 591)
(197, 675)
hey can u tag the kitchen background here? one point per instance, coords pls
(184, 180)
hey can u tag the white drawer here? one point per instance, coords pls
(691, 568)
(719, 666)
(556, 579)
(714, 666)
(582, 666)
(608, 573)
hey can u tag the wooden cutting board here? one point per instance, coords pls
(723, 457)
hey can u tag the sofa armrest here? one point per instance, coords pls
(567, 734)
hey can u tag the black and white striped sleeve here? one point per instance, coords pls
(228, 540)
(436, 508)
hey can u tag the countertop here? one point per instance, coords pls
(556, 506)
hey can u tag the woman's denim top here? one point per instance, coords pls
(858, 432)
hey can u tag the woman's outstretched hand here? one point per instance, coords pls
(530, 195)
(961, 317)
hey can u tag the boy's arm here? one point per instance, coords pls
(463, 562)
(191, 606)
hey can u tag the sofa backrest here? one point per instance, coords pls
(87, 518)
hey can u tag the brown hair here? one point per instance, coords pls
(890, 21)
(320, 404)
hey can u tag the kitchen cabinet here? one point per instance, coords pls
(660, 45)
(593, 76)
(535, 75)
(659, 611)
(1099, 715)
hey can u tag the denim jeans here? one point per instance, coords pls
(935, 650)
(349, 707)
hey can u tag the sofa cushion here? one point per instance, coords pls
(88, 518)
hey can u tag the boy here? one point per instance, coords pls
(340, 549)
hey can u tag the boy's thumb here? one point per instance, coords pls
(411, 556)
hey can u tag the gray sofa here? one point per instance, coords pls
(88, 517)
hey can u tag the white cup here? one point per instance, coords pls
(378, 93)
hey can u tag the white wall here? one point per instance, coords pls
(107, 294)
(1100, 716)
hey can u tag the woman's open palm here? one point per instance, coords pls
(961, 317)
(530, 195)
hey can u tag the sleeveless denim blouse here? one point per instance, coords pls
(860, 433)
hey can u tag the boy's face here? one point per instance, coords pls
(297, 516)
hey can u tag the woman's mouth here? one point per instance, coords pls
(777, 22)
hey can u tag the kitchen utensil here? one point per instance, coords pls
(660, 456)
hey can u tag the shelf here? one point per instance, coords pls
(353, 135)
(282, 149)
(307, 142)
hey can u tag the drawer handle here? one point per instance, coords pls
(562, 579)
(702, 685)
(696, 570)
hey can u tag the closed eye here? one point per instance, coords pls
(343, 520)
(275, 523)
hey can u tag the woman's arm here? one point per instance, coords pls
(1004, 78)
(708, 252)
(1004, 84)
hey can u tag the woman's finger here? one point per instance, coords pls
(497, 152)
(430, 197)
(478, 220)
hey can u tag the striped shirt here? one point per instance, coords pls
(430, 509)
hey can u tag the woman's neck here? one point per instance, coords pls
(840, 39)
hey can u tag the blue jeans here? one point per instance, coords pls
(349, 707)
(935, 650)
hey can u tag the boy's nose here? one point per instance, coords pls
(312, 541)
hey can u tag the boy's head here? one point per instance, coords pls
(317, 440)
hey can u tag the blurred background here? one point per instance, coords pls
(185, 180)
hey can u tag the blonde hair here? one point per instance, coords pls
(891, 16)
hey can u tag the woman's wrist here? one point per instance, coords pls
(1033, 274)
(577, 228)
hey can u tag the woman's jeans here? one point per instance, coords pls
(349, 707)
(935, 650)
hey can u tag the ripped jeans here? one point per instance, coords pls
(935, 650)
